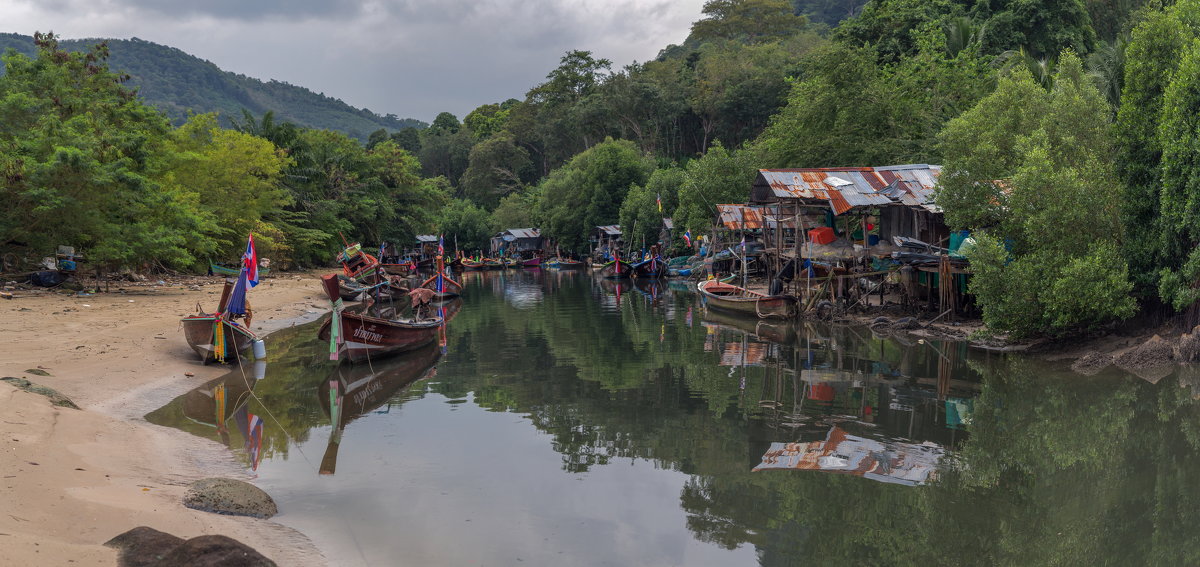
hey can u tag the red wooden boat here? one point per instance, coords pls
(732, 298)
(362, 336)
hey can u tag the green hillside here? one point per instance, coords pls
(176, 82)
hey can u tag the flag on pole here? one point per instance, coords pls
(250, 262)
(743, 243)
(687, 237)
(658, 199)
(441, 247)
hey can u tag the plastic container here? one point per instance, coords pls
(956, 239)
(823, 235)
(260, 350)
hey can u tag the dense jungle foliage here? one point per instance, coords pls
(1064, 127)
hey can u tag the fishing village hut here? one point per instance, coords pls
(667, 232)
(605, 239)
(518, 241)
(852, 221)
(427, 245)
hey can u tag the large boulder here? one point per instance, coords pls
(228, 496)
(147, 547)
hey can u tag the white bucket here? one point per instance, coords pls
(260, 350)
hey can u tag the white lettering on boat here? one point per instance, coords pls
(367, 335)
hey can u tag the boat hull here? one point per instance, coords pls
(198, 331)
(653, 268)
(616, 270)
(371, 337)
(735, 299)
(450, 288)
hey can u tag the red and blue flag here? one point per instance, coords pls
(250, 262)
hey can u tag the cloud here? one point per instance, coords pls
(407, 57)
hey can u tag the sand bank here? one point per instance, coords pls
(72, 479)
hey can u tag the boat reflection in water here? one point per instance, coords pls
(217, 408)
(353, 391)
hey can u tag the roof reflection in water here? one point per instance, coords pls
(841, 452)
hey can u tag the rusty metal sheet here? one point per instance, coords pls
(525, 232)
(845, 188)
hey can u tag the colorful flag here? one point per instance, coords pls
(250, 262)
(687, 237)
(658, 199)
(441, 248)
(743, 243)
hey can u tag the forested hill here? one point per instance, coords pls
(177, 82)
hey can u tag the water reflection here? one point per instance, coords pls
(352, 391)
(881, 450)
(220, 410)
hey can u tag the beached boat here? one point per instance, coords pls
(219, 336)
(216, 338)
(353, 391)
(652, 268)
(220, 270)
(362, 336)
(737, 299)
(616, 269)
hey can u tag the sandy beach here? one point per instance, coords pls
(73, 479)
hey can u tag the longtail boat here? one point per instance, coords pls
(737, 299)
(362, 336)
(442, 285)
(493, 264)
(531, 263)
(469, 264)
(363, 272)
(568, 264)
(220, 270)
(616, 269)
(652, 268)
(219, 336)
(353, 391)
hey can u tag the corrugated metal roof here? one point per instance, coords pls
(739, 217)
(611, 229)
(845, 188)
(427, 238)
(524, 232)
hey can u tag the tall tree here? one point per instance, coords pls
(76, 153)
(588, 191)
(1023, 164)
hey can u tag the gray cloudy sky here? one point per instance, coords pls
(413, 58)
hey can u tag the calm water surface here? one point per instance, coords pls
(567, 420)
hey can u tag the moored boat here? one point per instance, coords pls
(469, 264)
(362, 336)
(652, 268)
(531, 263)
(737, 299)
(442, 285)
(616, 269)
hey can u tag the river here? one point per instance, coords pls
(567, 420)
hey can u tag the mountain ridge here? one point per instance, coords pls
(177, 82)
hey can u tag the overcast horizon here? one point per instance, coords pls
(411, 58)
